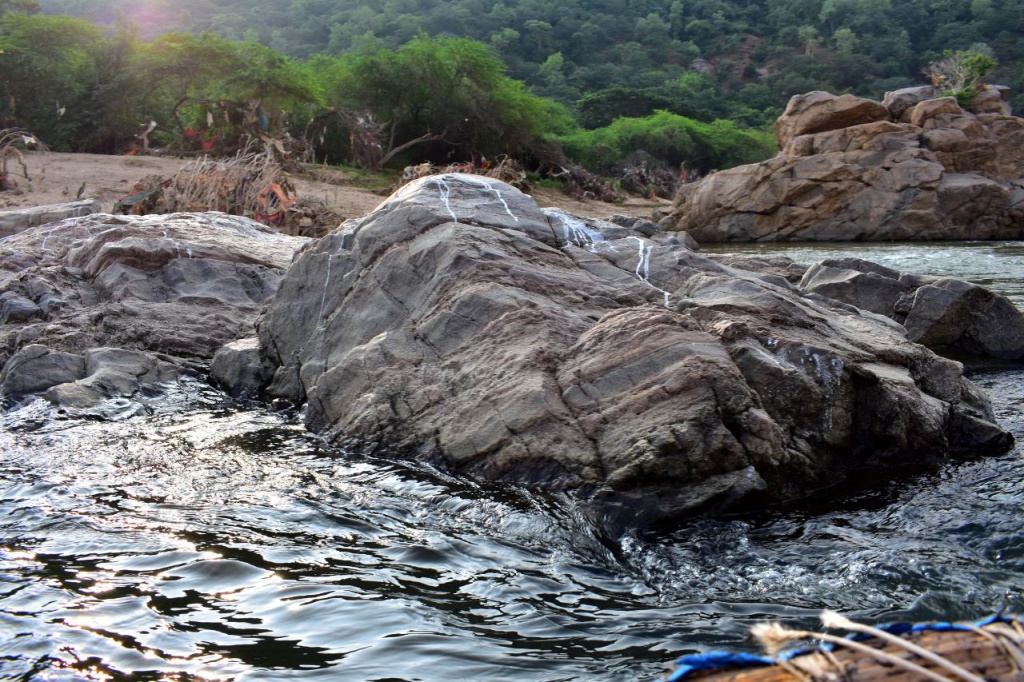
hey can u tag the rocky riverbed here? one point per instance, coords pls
(462, 325)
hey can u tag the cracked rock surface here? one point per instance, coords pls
(102, 306)
(915, 166)
(462, 325)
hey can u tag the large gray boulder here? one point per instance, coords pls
(159, 295)
(462, 325)
(944, 314)
(917, 167)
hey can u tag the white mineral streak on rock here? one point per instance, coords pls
(248, 228)
(643, 266)
(177, 249)
(445, 191)
(830, 372)
(491, 188)
(323, 297)
(43, 247)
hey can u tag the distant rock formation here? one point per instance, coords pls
(461, 325)
(913, 167)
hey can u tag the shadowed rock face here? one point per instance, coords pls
(462, 325)
(913, 167)
(99, 306)
(939, 313)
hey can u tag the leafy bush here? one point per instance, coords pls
(672, 140)
(960, 73)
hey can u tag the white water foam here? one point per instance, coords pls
(576, 231)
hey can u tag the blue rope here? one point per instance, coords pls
(716, 660)
(721, 660)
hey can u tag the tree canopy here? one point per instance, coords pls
(394, 81)
(568, 49)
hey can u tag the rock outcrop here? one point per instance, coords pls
(912, 167)
(462, 325)
(14, 221)
(100, 306)
(943, 314)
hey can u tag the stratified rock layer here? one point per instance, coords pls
(99, 306)
(462, 325)
(853, 169)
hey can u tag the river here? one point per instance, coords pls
(210, 541)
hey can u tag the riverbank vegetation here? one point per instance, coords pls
(393, 82)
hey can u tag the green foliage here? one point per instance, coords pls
(496, 78)
(859, 46)
(22, 6)
(599, 109)
(960, 72)
(449, 90)
(670, 139)
(47, 64)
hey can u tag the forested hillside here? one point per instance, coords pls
(612, 84)
(700, 58)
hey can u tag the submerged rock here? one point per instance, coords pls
(462, 325)
(101, 306)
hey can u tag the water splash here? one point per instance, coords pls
(576, 231)
(643, 267)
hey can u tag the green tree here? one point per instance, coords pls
(177, 71)
(449, 91)
(693, 95)
(672, 140)
(599, 109)
(46, 66)
(207, 82)
(538, 35)
(809, 38)
(845, 41)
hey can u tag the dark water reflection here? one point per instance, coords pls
(208, 542)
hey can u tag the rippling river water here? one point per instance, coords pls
(209, 542)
